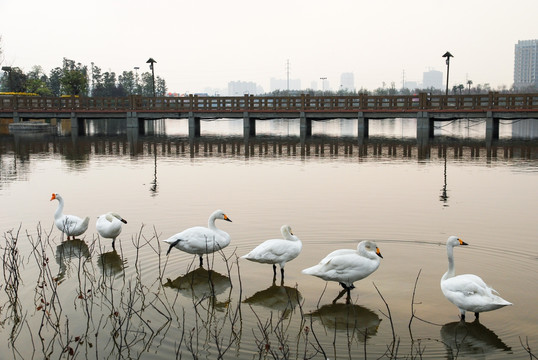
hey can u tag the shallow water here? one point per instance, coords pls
(332, 190)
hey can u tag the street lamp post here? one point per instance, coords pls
(136, 78)
(447, 55)
(151, 62)
(8, 70)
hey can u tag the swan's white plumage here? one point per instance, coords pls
(70, 225)
(277, 251)
(346, 265)
(468, 292)
(109, 226)
(201, 240)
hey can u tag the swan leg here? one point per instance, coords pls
(114, 247)
(201, 260)
(282, 274)
(476, 314)
(274, 271)
(462, 312)
(342, 292)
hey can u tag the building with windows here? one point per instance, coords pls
(432, 79)
(526, 64)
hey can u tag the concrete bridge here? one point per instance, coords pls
(135, 110)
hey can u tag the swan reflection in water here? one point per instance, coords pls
(470, 338)
(67, 250)
(346, 317)
(200, 284)
(111, 264)
(275, 297)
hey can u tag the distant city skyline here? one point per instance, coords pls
(199, 45)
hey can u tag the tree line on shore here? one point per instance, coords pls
(74, 78)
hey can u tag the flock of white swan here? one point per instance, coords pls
(345, 266)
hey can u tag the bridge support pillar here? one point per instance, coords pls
(194, 125)
(362, 126)
(424, 125)
(249, 125)
(16, 117)
(305, 126)
(424, 134)
(134, 122)
(77, 125)
(492, 127)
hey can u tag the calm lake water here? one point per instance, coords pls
(81, 299)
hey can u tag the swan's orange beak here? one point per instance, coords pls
(462, 242)
(53, 197)
(378, 253)
(227, 218)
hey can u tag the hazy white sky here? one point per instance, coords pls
(199, 44)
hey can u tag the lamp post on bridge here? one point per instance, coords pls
(136, 78)
(8, 69)
(151, 62)
(447, 55)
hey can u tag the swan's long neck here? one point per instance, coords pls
(211, 222)
(60, 208)
(451, 270)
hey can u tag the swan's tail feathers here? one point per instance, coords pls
(172, 245)
(86, 221)
(503, 302)
(310, 271)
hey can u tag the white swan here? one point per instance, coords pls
(71, 225)
(347, 266)
(201, 240)
(277, 251)
(109, 226)
(468, 292)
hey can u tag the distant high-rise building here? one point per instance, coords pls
(432, 79)
(236, 88)
(526, 64)
(282, 84)
(347, 81)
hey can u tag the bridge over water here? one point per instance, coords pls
(135, 110)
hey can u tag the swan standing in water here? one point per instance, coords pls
(347, 265)
(109, 226)
(468, 292)
(201, 240)
(71, 225)
(277, 251)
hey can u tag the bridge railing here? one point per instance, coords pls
(421, 101)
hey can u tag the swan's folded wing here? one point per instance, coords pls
(467, 285)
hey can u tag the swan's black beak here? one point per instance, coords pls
(378, 253)
(124, 221)
(227, 218)
(462, 242)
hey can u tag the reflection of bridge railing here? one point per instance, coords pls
(272, 148)
(362, 102)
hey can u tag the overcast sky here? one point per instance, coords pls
(207, 43)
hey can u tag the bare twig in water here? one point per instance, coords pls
(527, 348)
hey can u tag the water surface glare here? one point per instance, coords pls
(82, 299)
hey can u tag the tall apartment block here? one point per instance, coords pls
(526, 64)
